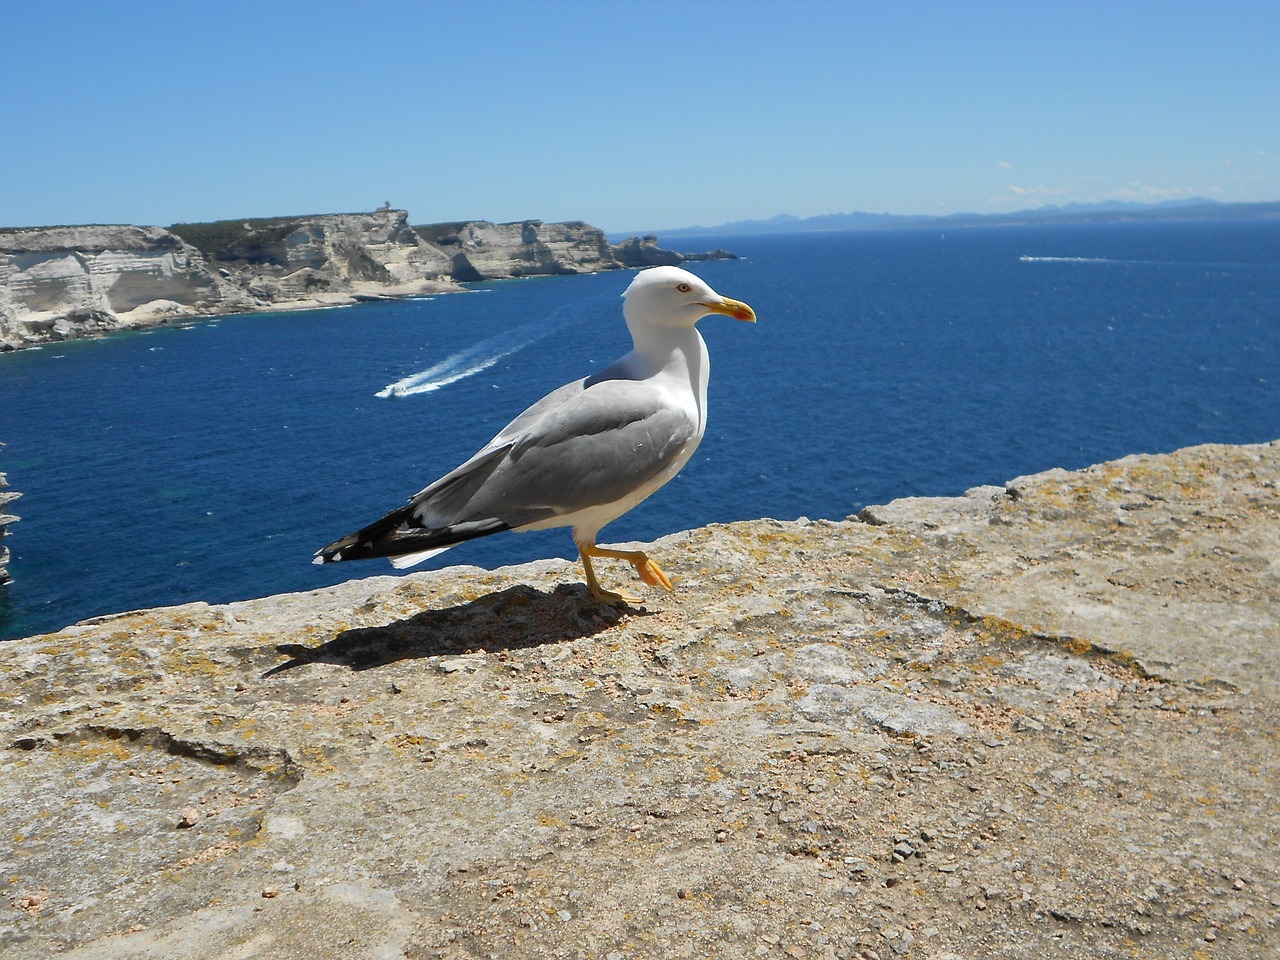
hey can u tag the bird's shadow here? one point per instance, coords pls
(512, 619)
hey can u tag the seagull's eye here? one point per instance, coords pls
(683, 287)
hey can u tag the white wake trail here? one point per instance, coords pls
(457, 367)
(480, 356)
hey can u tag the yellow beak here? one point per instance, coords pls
(731, 308)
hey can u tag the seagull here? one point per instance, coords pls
(584, 454)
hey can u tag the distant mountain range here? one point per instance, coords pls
(1194, 208)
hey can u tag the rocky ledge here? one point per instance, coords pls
(59, 283)
(1036, 720)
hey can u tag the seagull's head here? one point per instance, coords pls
(671, 297)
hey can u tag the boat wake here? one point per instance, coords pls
(1072, 260)
(483, 355)
(459, 366)
(1128, 262)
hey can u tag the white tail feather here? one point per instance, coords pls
(411, 559)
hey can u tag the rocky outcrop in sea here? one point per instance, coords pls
(1040, 719)
(59, 283)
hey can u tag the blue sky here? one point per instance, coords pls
(631, 116)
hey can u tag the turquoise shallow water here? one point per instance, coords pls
(209, 461)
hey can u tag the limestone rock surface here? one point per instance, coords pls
(1037, 720)
(482, 250)
(60, 283)
(330, 258)
(645, 252)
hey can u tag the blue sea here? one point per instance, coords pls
(208, 461)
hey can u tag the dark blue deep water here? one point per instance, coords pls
(209, 461)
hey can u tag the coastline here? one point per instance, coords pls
(64, 283)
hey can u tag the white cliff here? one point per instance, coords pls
(331, 258)
(59, 283)
(65, 282)
(481, 250)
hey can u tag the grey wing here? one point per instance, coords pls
(457, 496)
(576, 448)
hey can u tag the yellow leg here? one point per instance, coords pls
(646, 569)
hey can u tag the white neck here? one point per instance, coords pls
(678, 353)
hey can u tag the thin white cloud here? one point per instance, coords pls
(1004, 165)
